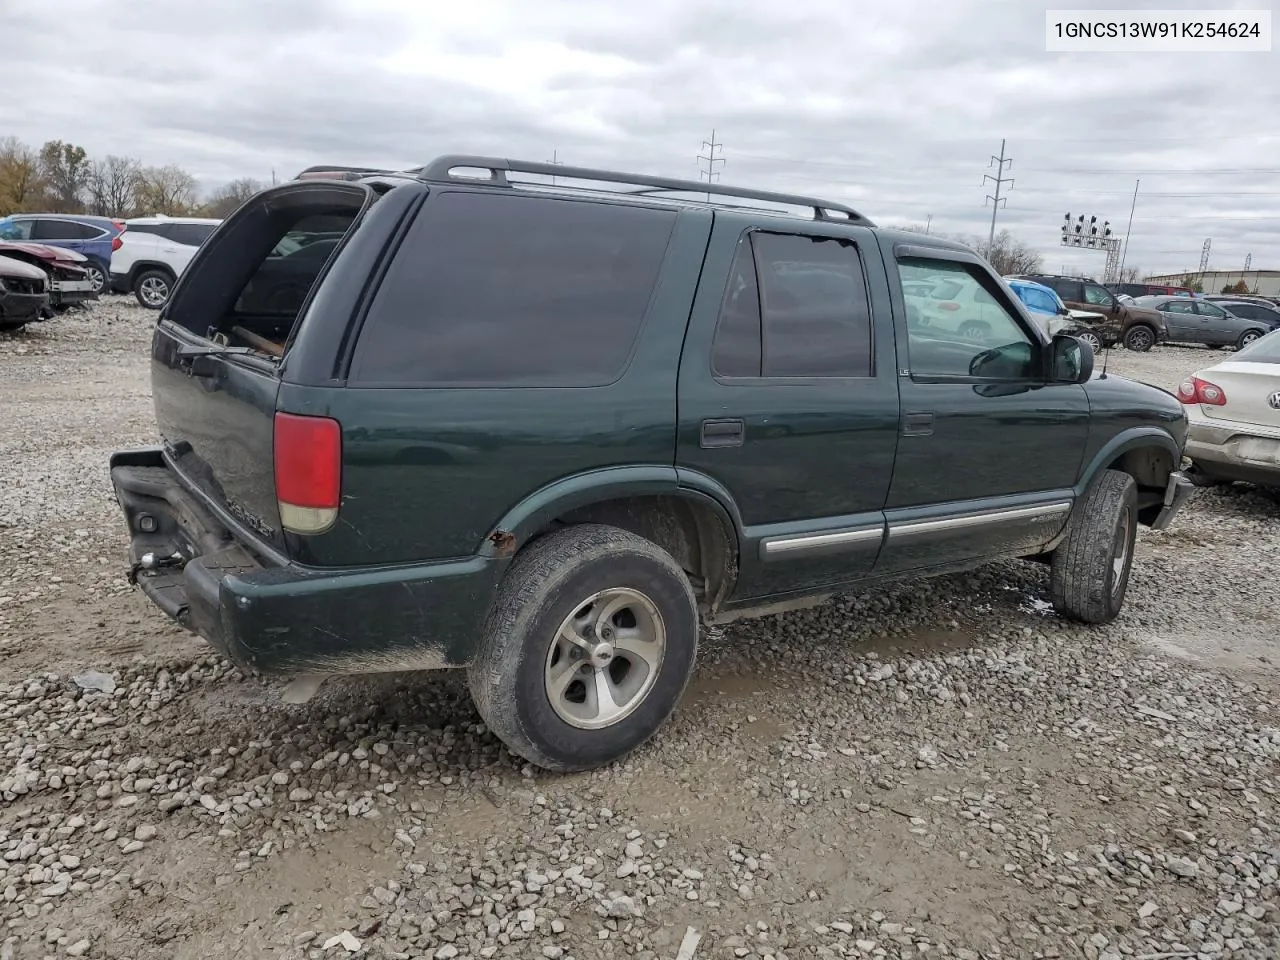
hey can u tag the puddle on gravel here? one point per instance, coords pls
(1234, 653)
(921, 642)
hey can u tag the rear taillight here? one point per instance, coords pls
(1196, 390)
(308, 465)
(948, 305)
(116, 244)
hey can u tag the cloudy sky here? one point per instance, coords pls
(892, 105)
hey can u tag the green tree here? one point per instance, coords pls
(64, 167)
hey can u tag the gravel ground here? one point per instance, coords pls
(936, 769)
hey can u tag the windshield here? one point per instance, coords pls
(1263, 350)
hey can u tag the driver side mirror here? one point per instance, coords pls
(1070, 360)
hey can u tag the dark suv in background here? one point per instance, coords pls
(1136, 327)
(538, 432)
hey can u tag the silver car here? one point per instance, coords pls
(1195, 320)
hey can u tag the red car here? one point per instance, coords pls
(69, 282)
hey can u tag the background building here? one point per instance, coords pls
(1265, 283)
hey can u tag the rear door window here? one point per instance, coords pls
(516, 291)
(47, 228)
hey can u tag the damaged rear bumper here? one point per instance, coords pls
(272, 616)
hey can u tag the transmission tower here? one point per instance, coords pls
(555, 159)
(999, 180)
(1204, 256)
(711, 173)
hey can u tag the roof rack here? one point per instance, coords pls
(442, 169)
(335, 172)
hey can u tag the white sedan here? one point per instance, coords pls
(1233, 414)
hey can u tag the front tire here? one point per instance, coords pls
(1089, 573)
(1092, 339)
(152, 288)
(1139, 338)
(588, 649)
(97, 275)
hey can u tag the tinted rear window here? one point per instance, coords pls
(191, 234)
(506, 290)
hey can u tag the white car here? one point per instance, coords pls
(1233, 414)
(152, 254)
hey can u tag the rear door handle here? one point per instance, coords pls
(917, 425)
(722, 433)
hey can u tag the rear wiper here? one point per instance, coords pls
(190, 353)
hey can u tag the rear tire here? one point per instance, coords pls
(553, 702)
(1089, 573)
(1246, 338)
(1139, 338)
(975, 330)
(153, 288)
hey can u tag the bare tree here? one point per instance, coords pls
(64, 167)
(113, 186)
(20, 184)
(1008, 255)
(1131, 275)
(167, 190)
(229, 197)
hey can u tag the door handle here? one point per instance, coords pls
(722, 433)
(917, 425)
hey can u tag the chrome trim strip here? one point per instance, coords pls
(818, 541)
(916, 527)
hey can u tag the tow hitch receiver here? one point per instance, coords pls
(149, 561)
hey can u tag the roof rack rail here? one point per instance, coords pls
(335, 172)
(442, 169)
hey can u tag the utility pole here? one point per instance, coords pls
(555, 154)
(928, 223)
(711, 146)
(273, 176)
(1128, 230)
(999, 180)
(1248, 260)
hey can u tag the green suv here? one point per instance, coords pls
(540, 428)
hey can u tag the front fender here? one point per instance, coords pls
(1133, 438)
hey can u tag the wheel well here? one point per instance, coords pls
(1150, 468)
(146, 266)
(692, 532)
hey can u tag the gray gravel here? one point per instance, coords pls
(935, 769)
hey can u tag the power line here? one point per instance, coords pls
(999, 180)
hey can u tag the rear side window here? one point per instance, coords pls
(65, 230)
(514, 291)
(191, 234)
(803, 310)
(151, 229)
